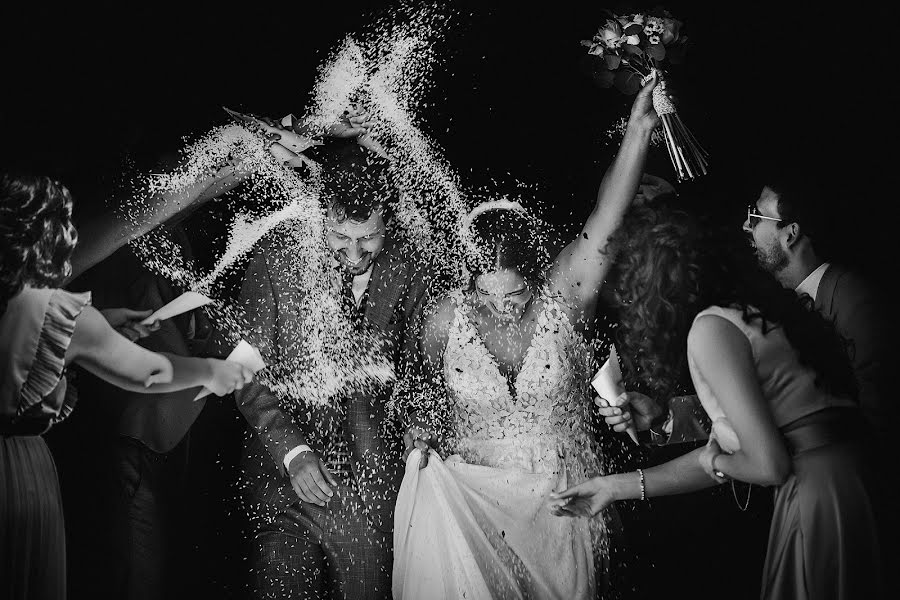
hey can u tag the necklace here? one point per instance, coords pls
(734, 494)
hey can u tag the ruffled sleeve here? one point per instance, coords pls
(42, 351)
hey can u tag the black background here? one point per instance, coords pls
(86, 90)
(86, 87)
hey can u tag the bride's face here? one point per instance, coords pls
(504, 292)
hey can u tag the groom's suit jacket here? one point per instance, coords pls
(271, 296)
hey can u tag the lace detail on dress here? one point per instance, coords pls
(550, 411)
(549, 417)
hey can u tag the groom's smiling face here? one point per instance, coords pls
(355, 244)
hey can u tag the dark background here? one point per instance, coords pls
(88, 93)
(84, 88)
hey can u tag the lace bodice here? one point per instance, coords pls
(548, 415)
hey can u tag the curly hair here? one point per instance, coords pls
(37, 236)
(507, 239)
(670, 268)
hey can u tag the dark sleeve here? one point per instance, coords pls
(256, 402)
(415, 308)
(862, 319)
(689, 421)
(421, 395)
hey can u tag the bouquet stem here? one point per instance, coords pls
(687, 155)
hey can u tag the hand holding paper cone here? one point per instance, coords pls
(608, 383)
(243, 354)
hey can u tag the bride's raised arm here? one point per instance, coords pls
(581, 267)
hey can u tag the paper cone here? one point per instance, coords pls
(183, 303)
(608, 383)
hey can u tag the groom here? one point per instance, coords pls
(322, 480)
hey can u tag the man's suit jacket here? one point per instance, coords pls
(862, 319)
(270, 296)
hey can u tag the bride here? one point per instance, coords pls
(511, 368)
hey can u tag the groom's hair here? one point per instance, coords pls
(355, 183)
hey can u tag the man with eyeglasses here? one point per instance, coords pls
(783, 229)
(782, 225)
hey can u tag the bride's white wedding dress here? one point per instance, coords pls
(477, 525)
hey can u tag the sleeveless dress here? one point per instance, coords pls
(477, 525)
(823, 540)
(35, 331)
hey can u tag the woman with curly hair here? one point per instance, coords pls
(43, 329)
(775, 381)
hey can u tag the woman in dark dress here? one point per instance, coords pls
(42, 330)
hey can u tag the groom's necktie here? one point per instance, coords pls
(355, 313)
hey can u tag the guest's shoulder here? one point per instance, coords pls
(729, 313)
(407, 258)
(279, 244)
(847, 283)
(54, 302)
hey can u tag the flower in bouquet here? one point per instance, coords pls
(631, 47)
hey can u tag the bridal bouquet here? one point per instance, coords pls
(630, 47)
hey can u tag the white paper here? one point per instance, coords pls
(183, 303)
(608, 383)
(244, 354)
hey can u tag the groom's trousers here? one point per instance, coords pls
(331, 552)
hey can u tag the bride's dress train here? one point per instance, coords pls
(477, 525)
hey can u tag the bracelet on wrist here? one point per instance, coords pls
(643, 485)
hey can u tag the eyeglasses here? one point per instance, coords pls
(753, 213)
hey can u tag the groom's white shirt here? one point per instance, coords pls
(359, 285)
(810, 285)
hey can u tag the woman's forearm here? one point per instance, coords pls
(678, 476)
(187, 372)
(744, 468)
(101, 237)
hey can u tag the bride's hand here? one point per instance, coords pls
(643, 115)
(583, 500)
(419, 436)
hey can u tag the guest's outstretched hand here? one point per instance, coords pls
(643, 115)
(583, 500)
(128, 322)
(356, 123)
(227, 376)
(352, 124)
(632, 408)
